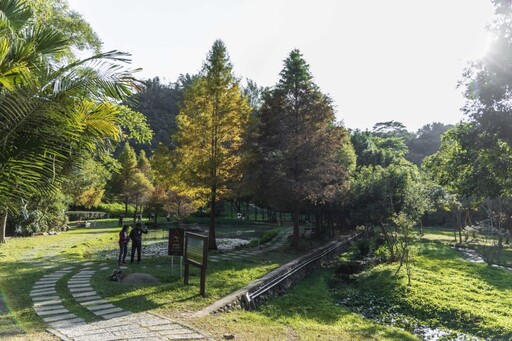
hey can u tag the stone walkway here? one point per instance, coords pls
(116, 323)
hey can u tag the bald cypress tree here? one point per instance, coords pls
(213, 115)
(299, 142)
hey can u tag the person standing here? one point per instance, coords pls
(123, 244)
(121, 217)
(136, 237)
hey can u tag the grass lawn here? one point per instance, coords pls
(447, 291)
(170, 297)
(308, 312)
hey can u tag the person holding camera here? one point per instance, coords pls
(136, 237)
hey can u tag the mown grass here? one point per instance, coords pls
(447, 291)
(170, 296)
(308, 312)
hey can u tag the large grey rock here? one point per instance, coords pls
(138, 278)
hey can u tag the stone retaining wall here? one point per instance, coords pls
(287, 275)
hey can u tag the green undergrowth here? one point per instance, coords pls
(265, 238)
(308, 311)
(447, 291)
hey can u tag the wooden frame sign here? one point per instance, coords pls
(176, 241)
(196, 253)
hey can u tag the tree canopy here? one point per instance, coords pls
(211, 122)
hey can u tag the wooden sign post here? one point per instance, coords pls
(176, 243)
(196, 253)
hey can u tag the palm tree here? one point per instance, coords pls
(50, 109)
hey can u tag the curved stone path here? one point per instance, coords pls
(80, 287)
(48, 304)
(116, 324)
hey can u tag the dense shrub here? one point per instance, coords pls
(115, 209)
(265, 238)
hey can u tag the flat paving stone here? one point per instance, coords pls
(47, 281)
(85, 294)
(79, 284)
(52, 312)
(94, 302)
(87, 298)
(172, 326)
(122, 328)
(47, 303)
(68, 323)
(59, 318)
(116, 315)
(49, 307)
(80, 289)
(45, 291)
(40, 285)
(51, 277)
(45, 298)
(98, 337)
(108, 311)
(105, 268)
(100, 307)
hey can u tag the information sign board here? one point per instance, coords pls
(176, 241)
(196, 253)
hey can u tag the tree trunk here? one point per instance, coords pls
(389, 241)
(3, 226)
(212, 243)
(296, 231)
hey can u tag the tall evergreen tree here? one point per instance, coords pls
(128, 167)
(213, 115)
(299, 142)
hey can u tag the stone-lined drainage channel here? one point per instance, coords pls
(279, 280)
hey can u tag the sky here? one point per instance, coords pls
(378, 60)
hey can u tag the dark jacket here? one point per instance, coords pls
(136, 234)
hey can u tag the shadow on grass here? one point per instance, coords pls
(437, 250)
(311, 300)
(453, 259)
(16, 281)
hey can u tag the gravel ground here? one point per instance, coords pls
(159, 248)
